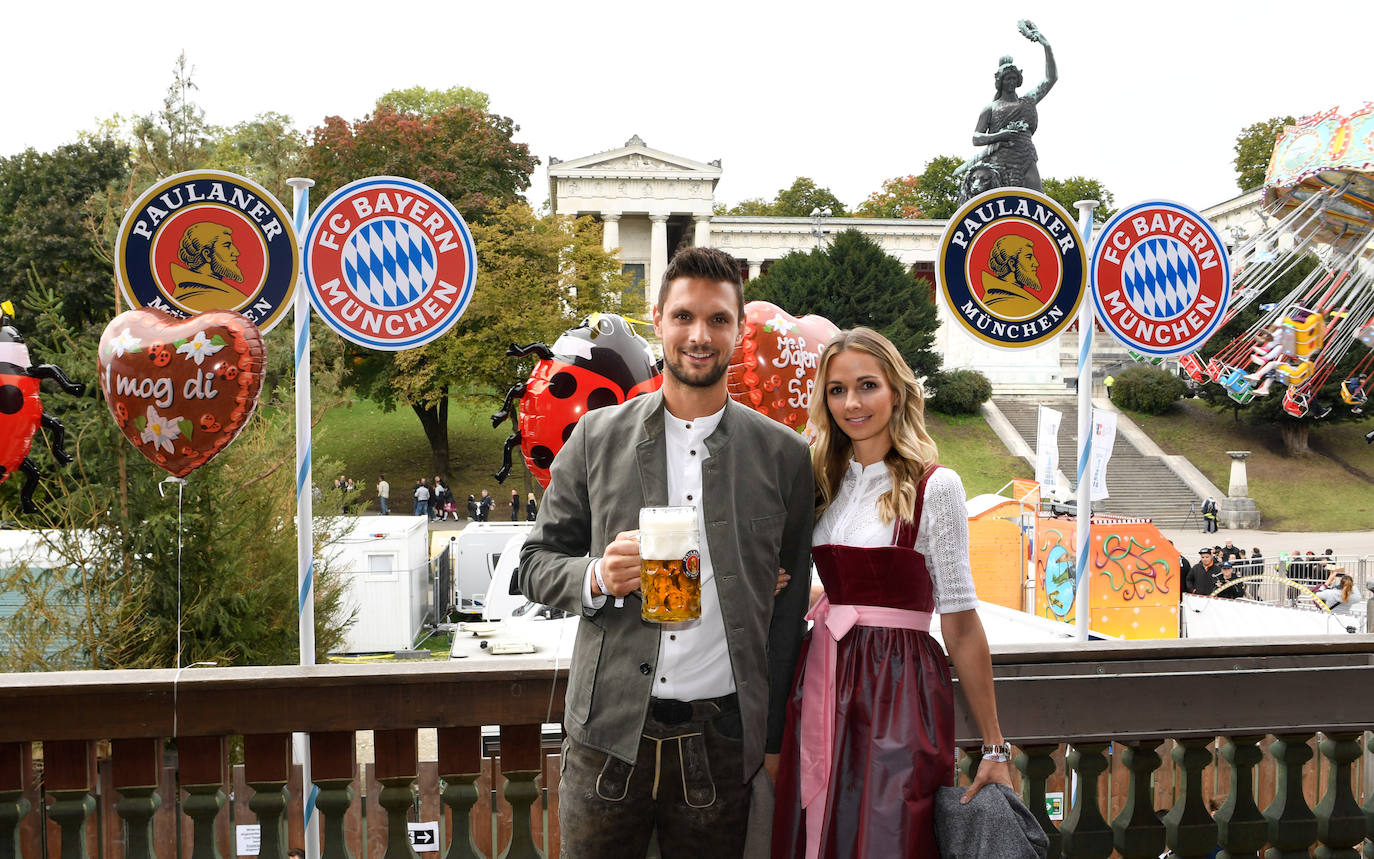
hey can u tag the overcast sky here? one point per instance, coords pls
(1149, 100)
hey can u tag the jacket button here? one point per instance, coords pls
(644, 668)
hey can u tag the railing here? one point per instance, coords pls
(1130, 729)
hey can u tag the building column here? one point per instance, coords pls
(755, 268)
(610, 231)
(658, 253)
(702, 237)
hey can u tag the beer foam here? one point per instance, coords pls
(667, 533)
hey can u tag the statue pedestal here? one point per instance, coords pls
(1238, 513)
(1238, 510)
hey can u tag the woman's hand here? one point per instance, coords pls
(989, 772)
(783, 579)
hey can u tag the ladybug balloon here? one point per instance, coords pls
(21, 412)
(601, 362)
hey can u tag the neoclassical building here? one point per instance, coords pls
(652, 202)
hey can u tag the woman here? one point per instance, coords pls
(891, 545)
(1335, 592)
(441, 498)
(531, 508)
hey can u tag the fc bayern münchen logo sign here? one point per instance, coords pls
(208, 240)
(1160, 278)
(389, 263)
(1012, 268)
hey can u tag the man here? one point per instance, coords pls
(484, 507)
(1225, 577)
(1231, 553)
(668, 727)
(1202, 578)
(383, 494)
(421, 498)
(1209, 515)
(208, 259)
(1011, 277)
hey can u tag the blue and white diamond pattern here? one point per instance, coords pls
(388, 262)
(1161, 278)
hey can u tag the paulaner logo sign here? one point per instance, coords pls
(208, 240)
(1012, 268)
(1160, 278)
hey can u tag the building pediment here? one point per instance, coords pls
(634, 160)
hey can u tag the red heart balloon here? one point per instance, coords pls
(778, 354)
(181, 389)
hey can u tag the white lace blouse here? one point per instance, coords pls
(852, 520)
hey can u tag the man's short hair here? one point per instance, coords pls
(707, 264)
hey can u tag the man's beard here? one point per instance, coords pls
(224, 267)
(705, 378)
(1027, 278)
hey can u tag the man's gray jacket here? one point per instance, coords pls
(758, 502)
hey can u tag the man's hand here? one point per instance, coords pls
(620, 565)
(770, 765)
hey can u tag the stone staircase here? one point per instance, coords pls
(1139, 485)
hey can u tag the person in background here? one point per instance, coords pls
(421, 498)
(442, 499)
(484, 507)
(474, 515)
(515, 506)
(383, 494)
(531, 508)
(1209, 515)
(1336, 592)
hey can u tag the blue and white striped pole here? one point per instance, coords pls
(305, 508)
(1081, 607)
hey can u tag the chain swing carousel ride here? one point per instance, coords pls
(1318, 200)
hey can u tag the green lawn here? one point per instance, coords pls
(969, 446)
(366, 441)
(1331, 490)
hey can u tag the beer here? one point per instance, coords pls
(670, 564)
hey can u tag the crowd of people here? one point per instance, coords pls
(1218, 566)
(434, 500)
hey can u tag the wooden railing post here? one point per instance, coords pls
(202, 766)
(1292, 825)
(460, 765)
(15, 766)
(1036, 764)
(521, 763)
(67, 770)
(1340, 822)
(1137, 832)
(1241, 828)
(267, 769)
(333, 763)
(396, 770)
(1189, 828)
(137, 765)
(1086, 833)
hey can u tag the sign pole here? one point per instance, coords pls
(1081, 608)
(305, 513)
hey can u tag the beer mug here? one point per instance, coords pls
(670, 564)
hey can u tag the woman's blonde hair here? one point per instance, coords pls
(913, 452)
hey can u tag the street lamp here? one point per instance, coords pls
(818, 217)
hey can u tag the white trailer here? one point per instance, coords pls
(385, 563)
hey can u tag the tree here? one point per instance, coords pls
(1254, 147)
(129, 563)
(465, 154)
(266, 149)
(897, 198)
(851, 282)
(42, 231)
(1068, 191)
(753, 207)
(427, 102)
(803, 197)
(937, 189)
